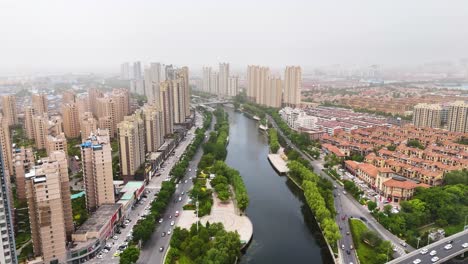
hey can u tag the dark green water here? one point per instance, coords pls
(284, 228)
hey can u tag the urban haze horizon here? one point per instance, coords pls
(62, 36)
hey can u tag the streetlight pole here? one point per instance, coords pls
(418, 242)
(464, 227)
(428, 239)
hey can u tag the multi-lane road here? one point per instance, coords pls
(441, 252)
(151, 252)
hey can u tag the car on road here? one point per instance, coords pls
(403, 244)
(416, 261)
(182, 193)
(163, 234)
(180, 199)
(435, 259)
(160, 220)
(424, 251)
(115, 237)
(189, 169)
(169, 231)
(342, 246)
(433, 253)
(344, 192)
(465, 245)
(100, 256)
(347, 233)
(351, 247)
(185, 181)
(176, 213)
(116, 254)
(448, 246)
(161, 249)
(450, 242)
(172, 223)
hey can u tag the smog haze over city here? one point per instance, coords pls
(85, 36)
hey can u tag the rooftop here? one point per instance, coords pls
(98, 219)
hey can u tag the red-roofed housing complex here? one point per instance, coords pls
(396, 173)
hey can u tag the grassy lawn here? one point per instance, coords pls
(366, 253)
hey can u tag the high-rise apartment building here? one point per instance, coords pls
(28, 122)
(154, 127)
(88, 124)
(41, 130)
(131, 135)
(7, 243)
(179, 101)
(214, 83)
(427, 115)
(152, 79)
(292, 86)
(183, 75)
(106, 122)
(50, 214)
(223, 78)
(137, 70)
(112, 109)
(71, 120)
(5, 145)
(39, 103)
(93, 95)
(56, 143)
(206, 79)
(125, 71)
(23, 161)
(169, 72)
(166, 103)
(273, 92)
(96, 154)
(233, 86)
(69, 97)
(9, 109)
(458, 117)
(82, 103)
(257, 80)
(137, 86)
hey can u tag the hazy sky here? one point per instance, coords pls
(97, 35)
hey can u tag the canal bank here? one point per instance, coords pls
(285, 230)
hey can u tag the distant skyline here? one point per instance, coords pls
(97, 36)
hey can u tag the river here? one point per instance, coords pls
(284, 228)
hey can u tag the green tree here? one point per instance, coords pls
(456, 177)
(371, 205)
(129, 255)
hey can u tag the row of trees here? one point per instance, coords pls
(235, 180)
(179, 169)
(205, 244)
(273, 139)
(319, 197)
(371, 249)
(144, 228)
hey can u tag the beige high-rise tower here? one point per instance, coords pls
(131, 135)
(458, 117)
(179, 101)
(39, 103)
(71, 120)
(292, 86)
(223, 78)
(41, 131)
(167, 105)
(23, 161)
(9, 109)
(96, 154)
(5, 146)
(427, 115)
(68, 97)
(93, 95)
(257, 81)
(154, 125)
(152, 77)
(88, 124)
(274, 92)
(56, 143)
(50, 215)
(183, 75)
(7, 243)
(28, 122)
